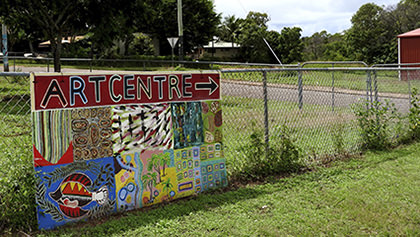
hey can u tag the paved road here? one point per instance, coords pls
(311, 95)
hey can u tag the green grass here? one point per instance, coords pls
(374, 195)
(351, 80)
(312, 128)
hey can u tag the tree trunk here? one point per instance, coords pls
(31, 47)
(56, 51)
(151, 191)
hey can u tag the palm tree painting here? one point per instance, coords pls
(167, 187)
(149, 180)
(165, 160)
(154, 163)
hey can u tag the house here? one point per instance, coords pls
(218, 49)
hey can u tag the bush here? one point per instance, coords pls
(260, 161)
(375, 121)
(414, 116)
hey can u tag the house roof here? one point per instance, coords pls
(221, 44)
(413, 33)
(64, 40)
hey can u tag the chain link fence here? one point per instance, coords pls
(15, 118)
(315, 104)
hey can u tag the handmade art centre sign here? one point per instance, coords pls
(116, 142)
(75, 91)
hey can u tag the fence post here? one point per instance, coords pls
(368, 88)
(375, 86)
(266, 125)
(90, 65)
(409, 88)
(332, 94)
(48, 65)
(300, 89)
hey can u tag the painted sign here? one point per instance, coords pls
(98, 150)
(76, 91)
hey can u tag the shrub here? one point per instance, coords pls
(414, 116)
(260, 161)
(374, 120)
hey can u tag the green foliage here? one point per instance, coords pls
(373, 195)
(375, 120)
(365, 34)
(287, 45)
(338, 138)
(253, 30)
(230, 29)
(281, 157)
(200, 22)
(414, 115)
(141, 45)
(17, 187)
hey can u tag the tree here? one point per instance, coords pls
(149, 180)
(291, 45)
(314, 45)
(57, 19)
(364, 37)
(251, 39)
(167, 187)
(336, 49)
(199, 19)
(287, 45)
(154, 162)
(230, 29)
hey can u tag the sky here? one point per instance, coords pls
(310, 15)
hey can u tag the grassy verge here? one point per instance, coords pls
(374, 195)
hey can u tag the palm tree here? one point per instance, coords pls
(149, 180)
(154, 162)
(230, 29)
(167, 186)
(165, 160)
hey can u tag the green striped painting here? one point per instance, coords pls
(52, 133)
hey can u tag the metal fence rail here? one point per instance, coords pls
(47, 64)
(314, 103)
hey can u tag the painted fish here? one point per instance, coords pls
(72, 195)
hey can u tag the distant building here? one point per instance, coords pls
(409, 52)
(64, 40)
(218, 49)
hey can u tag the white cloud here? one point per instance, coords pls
(310, 15)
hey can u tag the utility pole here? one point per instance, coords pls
(5, 52)
(180, 31)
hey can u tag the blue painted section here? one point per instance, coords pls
(74, 192)
(137, 175)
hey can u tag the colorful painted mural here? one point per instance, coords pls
(96, 161)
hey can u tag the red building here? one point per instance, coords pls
(409, 52)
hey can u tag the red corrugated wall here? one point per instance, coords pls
(410, 50)
(410, 53)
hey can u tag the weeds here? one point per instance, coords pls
(375, 120)
(414, 115)
(282, 156)
(17, 187)
(338, 138)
